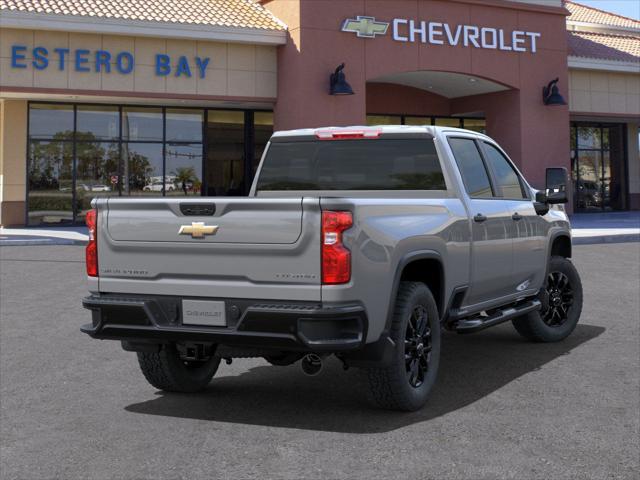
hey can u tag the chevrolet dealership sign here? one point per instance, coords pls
(438, 33)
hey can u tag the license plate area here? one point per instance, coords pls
(204, 312)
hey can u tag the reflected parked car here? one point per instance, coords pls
(589, 194)
(156, 186)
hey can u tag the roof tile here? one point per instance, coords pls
(582, 13)
(224, 13)
(625, 48)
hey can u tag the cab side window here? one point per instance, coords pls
(505, 176)
(474, 174)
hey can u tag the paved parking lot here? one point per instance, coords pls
(72, 407)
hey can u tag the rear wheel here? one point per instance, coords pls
(405, 384)
(168, 370)
(561, 299)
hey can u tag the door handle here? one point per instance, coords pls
(479, 218)
(516, 216)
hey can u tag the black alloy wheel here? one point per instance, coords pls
(557, 299)
(417, 346)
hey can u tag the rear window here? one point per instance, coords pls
(380, 164)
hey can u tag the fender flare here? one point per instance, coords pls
(404, 261)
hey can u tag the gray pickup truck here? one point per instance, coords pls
(363, 243)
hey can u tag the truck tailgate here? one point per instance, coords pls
(260, 248)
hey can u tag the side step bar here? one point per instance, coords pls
(504, 315)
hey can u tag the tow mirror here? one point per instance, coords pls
(556, 186)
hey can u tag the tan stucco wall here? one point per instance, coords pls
(13, 164)
(234, 70)
(599, 92)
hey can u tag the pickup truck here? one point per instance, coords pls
(364, 243)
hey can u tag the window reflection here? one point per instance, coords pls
(50, 176)
(143, 169)
(598, 164)
(184, 169)
(142, 124)
(98, 122)
(79, 152)
(184, 125)
(48, 121)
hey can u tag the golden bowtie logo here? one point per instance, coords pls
(198, 230)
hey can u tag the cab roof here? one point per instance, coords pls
(362, 131)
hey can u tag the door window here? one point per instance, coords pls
(506, 176)
(472, 168)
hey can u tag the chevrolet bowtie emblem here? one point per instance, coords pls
(198, 230)
(365, 27)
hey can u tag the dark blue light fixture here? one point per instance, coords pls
(338, 83)
(551, 94)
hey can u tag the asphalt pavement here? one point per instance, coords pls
(76, 408)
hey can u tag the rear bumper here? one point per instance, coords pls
(285, 327)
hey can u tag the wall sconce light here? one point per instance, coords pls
(551, 94)
(338, 83)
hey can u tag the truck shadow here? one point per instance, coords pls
(471, 368)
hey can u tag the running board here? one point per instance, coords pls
(501, 316)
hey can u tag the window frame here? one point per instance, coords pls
(474, 140)
(526, 196)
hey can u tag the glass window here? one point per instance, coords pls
(384, 120)
(97, 123)
(448, 122)
(142, 124)
(589, 137)
(143, 169)
(352, 165)
(421, 121)
(475, 124)
(184, 125)
(50, 176)
(51, 121)
(97, 172)
(474, 174)
(263, 129)
(506, 176)
(225, 153)
(184, 169)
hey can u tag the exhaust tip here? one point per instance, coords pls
(311, 364)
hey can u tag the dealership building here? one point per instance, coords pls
(179, 97)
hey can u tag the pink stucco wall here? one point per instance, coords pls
(534, 135)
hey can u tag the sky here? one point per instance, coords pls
(628, 8)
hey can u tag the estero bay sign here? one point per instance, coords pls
(84, 60)
(442, 33)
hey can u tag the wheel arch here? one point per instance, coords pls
(560, 245)
(420, 266)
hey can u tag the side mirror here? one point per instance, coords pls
(556, 186)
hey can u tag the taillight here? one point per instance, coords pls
(92, 247)
(336, 259)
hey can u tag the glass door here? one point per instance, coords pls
(598, 167)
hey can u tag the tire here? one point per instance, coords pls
(166, 371)
(561, 299)
(405, 384)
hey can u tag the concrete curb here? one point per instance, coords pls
(627, 238)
